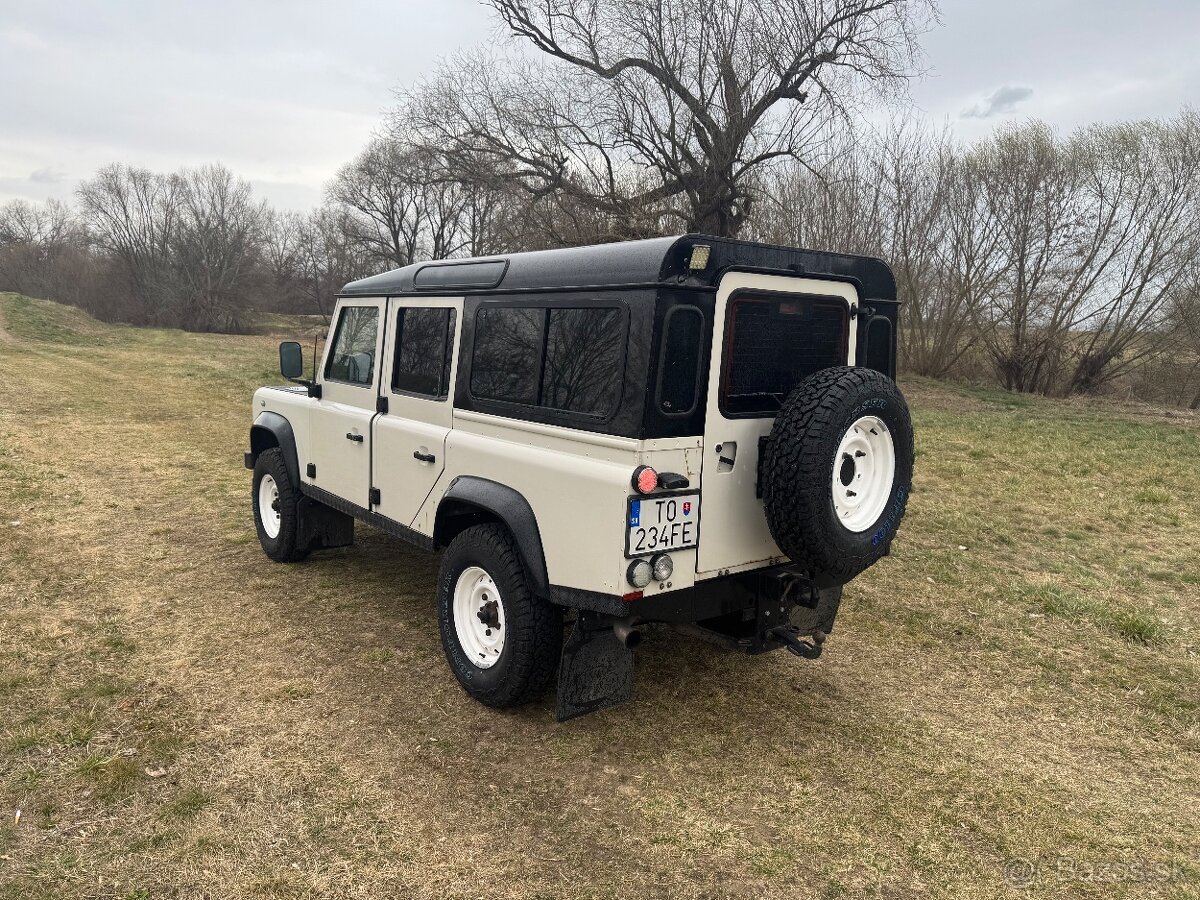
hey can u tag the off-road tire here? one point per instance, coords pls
(284, 546)
(798, 468)
(533, 646)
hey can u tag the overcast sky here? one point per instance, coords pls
(286, 92)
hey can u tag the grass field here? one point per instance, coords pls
(1008, 707)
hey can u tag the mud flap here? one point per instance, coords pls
(596, 669)
(322, 528)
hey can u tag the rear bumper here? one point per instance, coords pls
(752, 612)
(740, 611)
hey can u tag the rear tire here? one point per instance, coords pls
(837, 471)
(503, 643)
(275, 501)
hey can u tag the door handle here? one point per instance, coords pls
(351, 436)
(423, 457)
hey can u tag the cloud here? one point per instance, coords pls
(47, 176)
(1002, 100)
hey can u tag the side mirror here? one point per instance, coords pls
(291, 360)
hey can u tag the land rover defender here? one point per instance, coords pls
(692, 430)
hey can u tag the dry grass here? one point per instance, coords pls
(181, 717)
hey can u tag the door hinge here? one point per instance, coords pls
(373, 497)
(312, 470)
(381, 405)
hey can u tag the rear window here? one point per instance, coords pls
(559, 358)
(679, 363)
(772, 343)
(424, 339)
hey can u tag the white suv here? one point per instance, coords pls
(691, 430)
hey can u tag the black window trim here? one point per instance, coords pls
(701, 369)
(742, 293)
(447, 354)
(531, 411)
(325, 376)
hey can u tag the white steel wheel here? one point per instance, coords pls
(863, 471)
(479, 617)
(268, 506)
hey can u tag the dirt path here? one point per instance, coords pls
(5, 337)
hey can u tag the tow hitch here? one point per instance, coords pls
(789, 636)
(791, 612)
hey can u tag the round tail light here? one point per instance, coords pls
(639, 573)
(662, 567)
(645, 479)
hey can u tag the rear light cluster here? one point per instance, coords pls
(645, 479)
(639, 573)
(642, 571)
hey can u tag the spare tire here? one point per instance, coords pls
(837, 471)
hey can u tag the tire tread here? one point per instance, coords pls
(796, 470)
(534, 641)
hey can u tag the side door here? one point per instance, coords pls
(410, 437)
(769, 332)
(341, 419)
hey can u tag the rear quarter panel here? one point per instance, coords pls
(578, 484)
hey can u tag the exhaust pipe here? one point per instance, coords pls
(627, 634)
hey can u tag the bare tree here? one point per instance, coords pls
(908, 195)
(403, 206)
(43, 250)
(1185, 322)
(217, 248)
(652, 110)
(382, 193)
(133, 214)
(826, 203)
(327, 257)
(1148, 173)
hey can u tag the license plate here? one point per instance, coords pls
(661, 524)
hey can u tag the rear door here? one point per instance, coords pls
(341, 419)
(769, 333)
(410, 436)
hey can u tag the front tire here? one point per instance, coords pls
(276, 508)
(502, 642)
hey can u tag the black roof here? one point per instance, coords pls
(654, 262)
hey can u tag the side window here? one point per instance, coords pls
(583, 361)
(424, 340)
(353, 356)
(679, 361)
(554, 357)
(507, 355)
